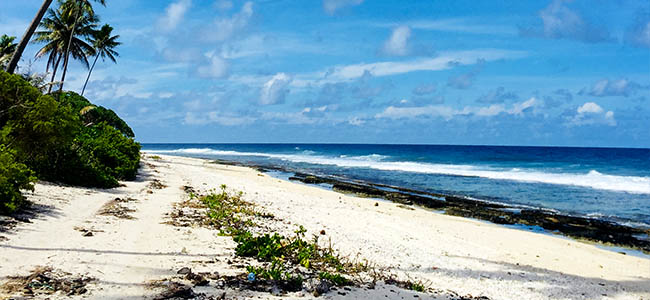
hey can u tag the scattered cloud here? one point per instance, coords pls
(564, 94)
(331, 6)
(275, 90)
(214, 67)
(591, 113)
(424, 89)
(466, 80)
(397, 43)
(561, 22)
(498, 95)
(605, 87)
(639, 33)
(448, 112)
(174, 14)
(224, 28)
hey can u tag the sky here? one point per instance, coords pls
(544, 73)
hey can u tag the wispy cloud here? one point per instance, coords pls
(331, 6)
(445, 61)
(448, 112)
(174, 14)
(620, 87)
(397, 43)
(561, 22)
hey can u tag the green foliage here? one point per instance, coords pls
(91, 114)
(228, 212)
(417, 286)
(7, 49)
(14, 177)
(59, 143)
(102, 157)
(295, 250)
(336, 279)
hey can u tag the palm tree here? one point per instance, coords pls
(27, 36)
(78, 8)
(7, 48)
(104, 45)
(57, 29)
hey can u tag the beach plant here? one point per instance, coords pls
(104, 43)
(14, 177)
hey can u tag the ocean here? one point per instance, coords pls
(605, 183)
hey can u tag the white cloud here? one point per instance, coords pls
(606, 87)
(174, 14)
(225, 28)
(331, 6)
(442, 62)
(216, 67)
(561, 22)
(448, 112)
(275, 90)
(590, 108)
(214, 117)
(591, 113)
(397, 43)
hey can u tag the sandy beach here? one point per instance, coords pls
(455, 256)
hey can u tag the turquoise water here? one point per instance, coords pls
(608, 183)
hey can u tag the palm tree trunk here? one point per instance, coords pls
(56, 66)
(27, 36)
(89, 72)
(67, 48)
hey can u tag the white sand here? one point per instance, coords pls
(454, 254)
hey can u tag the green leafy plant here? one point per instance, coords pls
(14, 177)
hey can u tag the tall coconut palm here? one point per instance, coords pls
(27, 36)
(7, 48)
(104, 45)
(78, 8)
(58, 28)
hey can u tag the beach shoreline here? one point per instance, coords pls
(455, 254)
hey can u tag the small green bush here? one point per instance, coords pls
(14, 177)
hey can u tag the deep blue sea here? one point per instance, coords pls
(609, 183)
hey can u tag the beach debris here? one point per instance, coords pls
(376, 204)
(47, 281)
(156, 185)
(117, 208)
(251, 277)
(322, 232)
(184, 271)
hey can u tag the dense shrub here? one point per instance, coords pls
(62, 138)
(91, 114)
(14, 177)
(105, 155)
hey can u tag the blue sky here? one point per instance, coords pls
(568, 73)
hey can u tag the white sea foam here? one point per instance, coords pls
(592, 179)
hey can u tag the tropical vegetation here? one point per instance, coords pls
(60, 136)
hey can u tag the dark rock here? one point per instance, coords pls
(184, 271)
